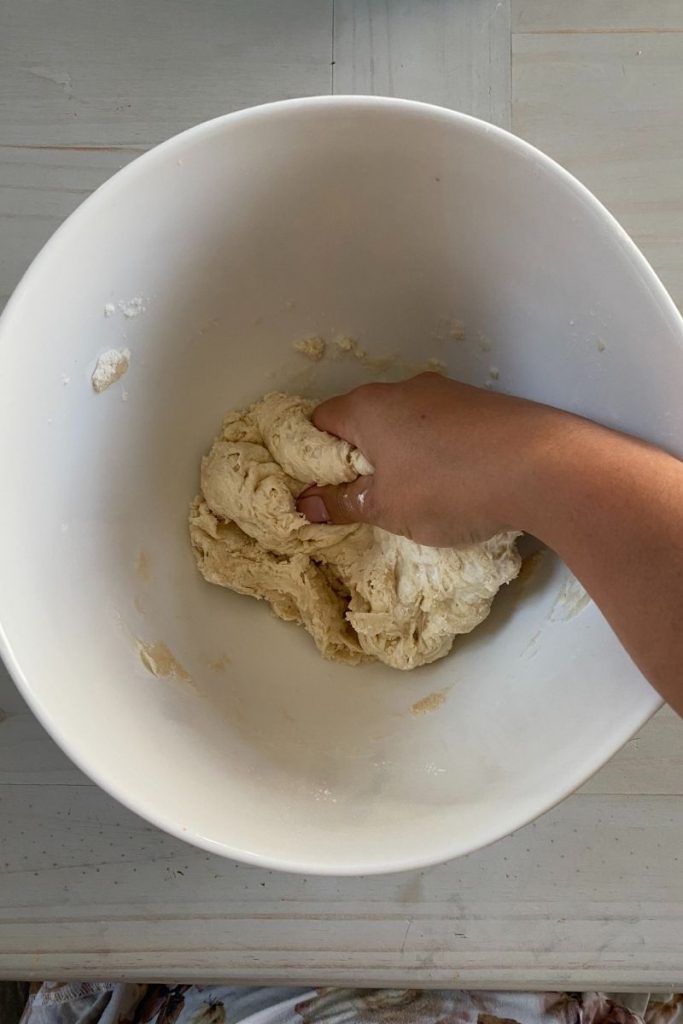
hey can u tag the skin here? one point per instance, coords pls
(455, 464)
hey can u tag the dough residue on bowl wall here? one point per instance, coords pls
(343, 347)
(133, 307)
(143, 565)
(313, 348)
(219, 664)
(110, 367)
(570, 602)
(160, 661)
(431, 702)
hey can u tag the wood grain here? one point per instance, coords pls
(583, 16)
(591, 895)
(608, 106)
(86, 86)
(453, 54)
(127, 73)
(39, 188)
(88, 889)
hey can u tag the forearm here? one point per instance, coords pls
(612, 507)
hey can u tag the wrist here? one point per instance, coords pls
(564, 462)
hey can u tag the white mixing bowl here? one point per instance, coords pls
(383, 220)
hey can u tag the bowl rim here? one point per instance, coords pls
(623, 730)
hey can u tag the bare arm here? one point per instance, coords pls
(455, 464)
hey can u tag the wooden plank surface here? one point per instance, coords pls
(609, 106)
(453, 54)
(592, 894)
(87, 86)
(89, 72)
(90, 890)
(39, 187)
(586, 16)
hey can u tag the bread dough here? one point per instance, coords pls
(362, 593)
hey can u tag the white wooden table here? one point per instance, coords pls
(590, 895)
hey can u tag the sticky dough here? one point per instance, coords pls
(362, 593)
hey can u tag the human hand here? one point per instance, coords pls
(453, 464)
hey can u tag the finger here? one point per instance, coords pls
(346, 503)
(335, 416)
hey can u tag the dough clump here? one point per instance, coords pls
(362, 593)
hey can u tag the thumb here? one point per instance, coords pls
(345, 503)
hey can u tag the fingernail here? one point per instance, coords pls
(313, 508)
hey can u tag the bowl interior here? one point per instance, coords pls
(395, 224)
